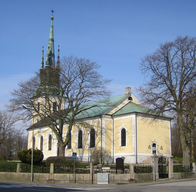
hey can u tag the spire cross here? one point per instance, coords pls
(52, 11)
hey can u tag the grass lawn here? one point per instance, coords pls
(192, 160)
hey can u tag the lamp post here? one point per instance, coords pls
(25, 107)
(154, 153)
(88, 144)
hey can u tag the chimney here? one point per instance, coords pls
(128, 90)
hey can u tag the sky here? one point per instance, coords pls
(116, 34)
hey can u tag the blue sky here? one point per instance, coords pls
(114, 33)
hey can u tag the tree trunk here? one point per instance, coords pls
(61, 150)
(192, 144)
(184, 143)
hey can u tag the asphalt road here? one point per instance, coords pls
(28, 188)
(180, 186)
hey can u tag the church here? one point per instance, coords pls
(124, 129)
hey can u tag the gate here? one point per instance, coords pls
(163, 167)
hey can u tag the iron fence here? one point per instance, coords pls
(69, 169)
(41, 168)
(142, 169)
(110, 169)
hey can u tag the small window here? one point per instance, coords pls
(154, 145)
(41, 143)
(54, 106)
(154, 150)
(38, 107)
(123, 137)
(80, 139)
(50, 142)
(92, 138)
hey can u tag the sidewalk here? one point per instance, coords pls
(95, 186)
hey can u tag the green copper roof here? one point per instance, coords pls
(50, 61)
(136, 108)
(102, 107)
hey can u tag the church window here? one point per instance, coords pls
(54, 106)
(123, 137)
(50, 142)
(80, 139)
(92, 138)
(41, 143)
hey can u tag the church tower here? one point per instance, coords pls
(50, 72)
(48, 96)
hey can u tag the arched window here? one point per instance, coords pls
(92, 138)
(50, 142)
(33, 142)
(80, 139)
(41, 143)
(123, 137)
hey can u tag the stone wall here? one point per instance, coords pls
(92, 178)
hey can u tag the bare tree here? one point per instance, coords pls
(11, 138)
(176, 146)
(189, 117)
(66, 92)
(170, 72)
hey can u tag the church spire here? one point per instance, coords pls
(50, 61)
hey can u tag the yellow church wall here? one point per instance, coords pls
(149, 130)
(108, 136)
(45, 132)
(118, 125)
(85, 127)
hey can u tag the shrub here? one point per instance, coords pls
(22, 155)
(25, 156)
(67, 161)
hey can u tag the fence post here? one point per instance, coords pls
(171, 176)
(51, 171)
(91, 171)
(132, 174)
(18, 168)
(155, 165)
(194, 167)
